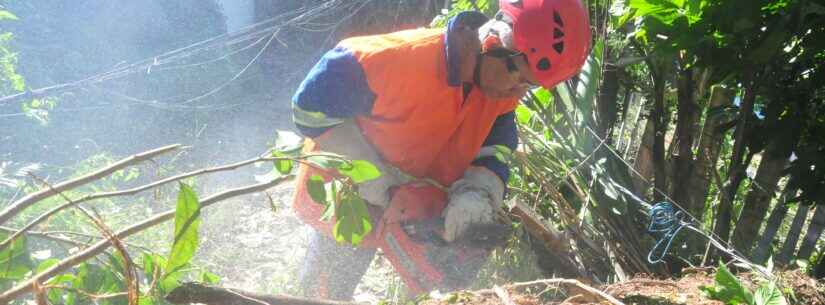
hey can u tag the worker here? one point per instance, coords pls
(429, 103)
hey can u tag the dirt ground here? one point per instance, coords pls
(253, 247)
(640, 290)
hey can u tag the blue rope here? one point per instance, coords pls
(666, 222)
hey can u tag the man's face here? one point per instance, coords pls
(504, 74)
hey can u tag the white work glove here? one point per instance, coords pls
(377, 191)
(474, 199)
(346, 140)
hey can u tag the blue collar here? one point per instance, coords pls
(469, 18)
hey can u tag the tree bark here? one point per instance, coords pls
(819, 270)
(608, 97)
(760, 255)
(685, 126)
(643, 162)
(659, 129)
(812, 236)
(736, 166)
(710, 143)
(759, 197)
(197, 293)
(775, 158)
(786, 254)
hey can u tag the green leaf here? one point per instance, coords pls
(14, 264)
(209, 277)
(728, 289)
(152, 262)
(6, 15)
(329, 212)
(359, 171)
(523, 114)
(187, 220)
(315, 186)
(503, 153)
(46, 264)
(170, 281)
(352, 220)
(283, 166)
(326, 161)
(768, 294)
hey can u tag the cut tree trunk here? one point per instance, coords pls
(763, 248)
(189, 293)
(788, 249)
(814, 231)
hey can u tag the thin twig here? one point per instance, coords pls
(35, 197)
(97, 248)
(129, 274)
(45, 216)
(569, 282)
(88, 294)
(46, 235)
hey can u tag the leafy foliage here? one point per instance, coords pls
(187, 221)
(10, 80)
(728, 289)
(340, 195)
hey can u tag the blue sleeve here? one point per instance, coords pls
(501, 142)
(335, 89)
(471, 19)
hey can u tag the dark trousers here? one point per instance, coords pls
(332, 271)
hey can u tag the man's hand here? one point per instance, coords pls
(475, 199)
(377, 191)
(346, 140)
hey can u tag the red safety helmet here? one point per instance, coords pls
(553, 34)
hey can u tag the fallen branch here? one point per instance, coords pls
(581, 287)
(48, 236)
(503, 295)
(100, 246)
(132, 285)
(45, 216)
(35, 197)
(555, 241)
(197, 293)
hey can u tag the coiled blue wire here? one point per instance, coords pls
(665, 222)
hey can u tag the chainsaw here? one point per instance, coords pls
(410, 232)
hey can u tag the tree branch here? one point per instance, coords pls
(35, 197)
(199, 293)
(128, 192)
(97, 248)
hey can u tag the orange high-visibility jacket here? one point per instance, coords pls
(404, 92)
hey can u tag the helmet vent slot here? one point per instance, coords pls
(559, 47)
(557, 33)
(557, 18)
(543, 64)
